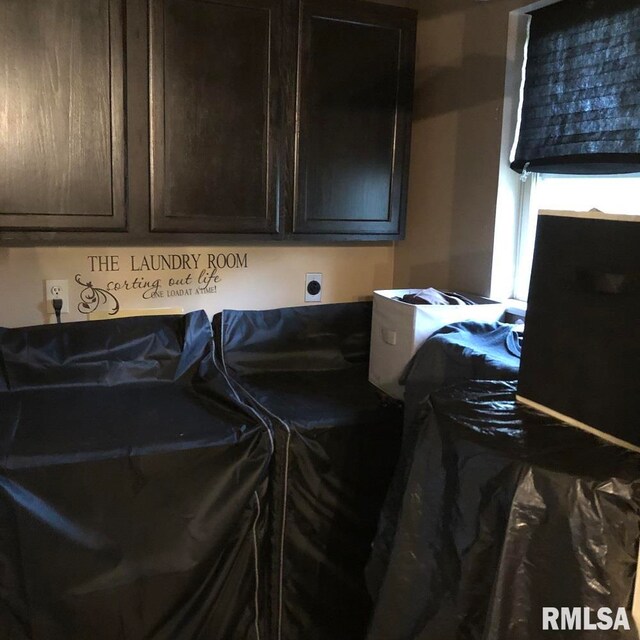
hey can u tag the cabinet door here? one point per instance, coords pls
(214, 115)
(62, 149)
(356, 64)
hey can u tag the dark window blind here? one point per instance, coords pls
(581, 101)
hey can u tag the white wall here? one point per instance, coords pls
(273, 277)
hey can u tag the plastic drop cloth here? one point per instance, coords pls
(132, 486)
(506, 511)
(336, 445)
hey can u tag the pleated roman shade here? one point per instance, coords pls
(580, 112)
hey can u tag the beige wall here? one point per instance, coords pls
(273, 277)
(460, 75)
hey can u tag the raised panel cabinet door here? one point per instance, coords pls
(214, 115)
(356, 63)
(62, 113)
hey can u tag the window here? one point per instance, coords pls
(581, 94)
(579, 117)
(617, 194)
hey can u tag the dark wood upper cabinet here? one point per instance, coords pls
(158, 121)
(62, 117)
(355, 85)
(215, 115)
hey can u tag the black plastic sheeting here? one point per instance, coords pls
(461, 351)
(335, 449)
(150, 490)
(132, 486)
(458, 352)
(506, 511)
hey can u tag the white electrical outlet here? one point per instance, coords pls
(313, 287)
(56, 289)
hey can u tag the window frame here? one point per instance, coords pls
(516, 206)
(531, 201)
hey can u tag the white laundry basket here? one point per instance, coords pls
(399, 328)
